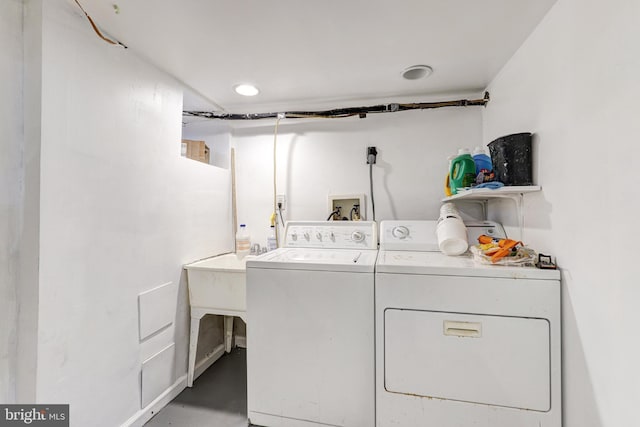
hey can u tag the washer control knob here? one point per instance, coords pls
(319, 235)
(306, 235)
(333, 237)
(357, 236)
(294, 236)
(400, 232)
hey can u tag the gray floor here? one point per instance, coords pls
(218, 397)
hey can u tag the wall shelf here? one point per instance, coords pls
(487, 193)
(483, 195)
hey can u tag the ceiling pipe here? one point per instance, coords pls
(341, 112)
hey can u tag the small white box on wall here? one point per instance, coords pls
(157, 374)
(157, 309)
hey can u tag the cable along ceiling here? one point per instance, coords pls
(340, 112)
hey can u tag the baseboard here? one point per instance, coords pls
(208, 360)
(241, 341)
(145, 414)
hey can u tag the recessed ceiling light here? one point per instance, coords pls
(416, 72)
(246, 89)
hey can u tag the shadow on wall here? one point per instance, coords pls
(182, 322)
(581, 398)
(537, 215)
(535, 155)
(387, 169)
(290, 153)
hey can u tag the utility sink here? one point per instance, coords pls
(218, 286)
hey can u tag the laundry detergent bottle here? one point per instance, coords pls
(462, 172)
(482, 160)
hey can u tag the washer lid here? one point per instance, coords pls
(436, 263)
(352, 260)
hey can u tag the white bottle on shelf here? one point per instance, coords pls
(243, 242)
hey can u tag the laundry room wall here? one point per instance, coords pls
(120, 213)
(29, 222)
(574, 84)
(11, 145)
(325, 157)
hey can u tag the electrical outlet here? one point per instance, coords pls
(281, 201)
(371, 155)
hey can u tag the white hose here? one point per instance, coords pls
(275, 197)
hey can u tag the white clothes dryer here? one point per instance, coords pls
(461, 344)
(310, 330)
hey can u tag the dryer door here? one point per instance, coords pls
(494, 360)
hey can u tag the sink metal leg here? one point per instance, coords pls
(228, 333)
(193, 347)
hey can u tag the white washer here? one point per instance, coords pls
(310, 329)
(460, 344)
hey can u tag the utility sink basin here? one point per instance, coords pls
(218, 286)
(218, 282)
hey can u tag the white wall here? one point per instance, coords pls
(29, 249)
(574, 83)
(120, 213)
(323, 157)
(11, 144)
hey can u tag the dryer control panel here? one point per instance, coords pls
(331, 235)
(408, 236)
(421, 235)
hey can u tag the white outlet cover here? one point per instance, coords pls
(281, 198)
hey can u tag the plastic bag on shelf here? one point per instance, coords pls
(520, 255)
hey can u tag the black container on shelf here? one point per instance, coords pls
(511, 158)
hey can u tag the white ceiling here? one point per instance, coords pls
(328, 52)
